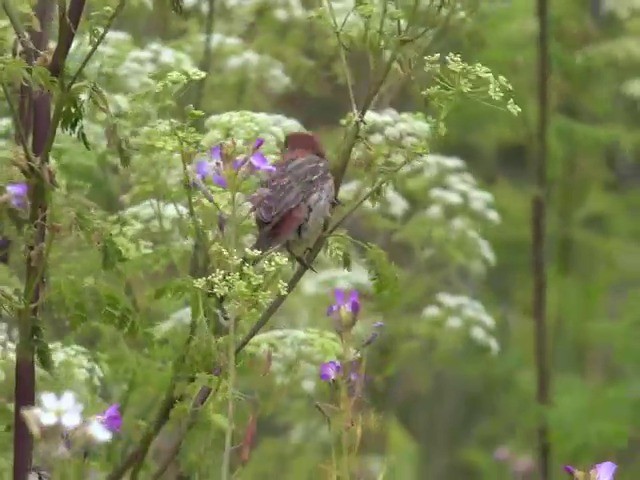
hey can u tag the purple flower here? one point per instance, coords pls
(257, 159)
(601, 471)
(17, 194)
(604, 470)
(111, 418)
(212, 167)
(345, 310)
(330, 370)
(260, 162)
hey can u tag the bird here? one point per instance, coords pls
(293, 203)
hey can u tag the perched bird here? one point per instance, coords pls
(293, 203)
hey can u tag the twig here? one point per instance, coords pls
(538, 246)
(67, 28)
(207, 57)
(92, 51)
(21, 33)
(18, 126)
(343, 56)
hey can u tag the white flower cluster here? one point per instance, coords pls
(132, 66)
(354, 17)
(246, 126)
(461, 312)
(458, 205)
(156, 216)
(296, 354)
(75, 361)
(256, 66)
(234, 56)
(394, 134)
(283, 10)
(390, 202)
(140, 64)
(631, 88)
(458, 208)
(325, 280)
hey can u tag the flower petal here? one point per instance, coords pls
(71, 419)
(329, 370)
(216, 153)
(49, 401)
(354, 302)
(203, 169)
(219, 180)
(68, 402)
(17, 189)
(47, 418)
(99, 431)
(112, 418)
(237, 163)
(605, 470)
(258, 144)
(260, 162)
(339, 295)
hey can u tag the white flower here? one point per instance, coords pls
(97, 431)
(454, 322)
(431, 311)
(64, 410)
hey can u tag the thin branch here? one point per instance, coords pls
(18, 28)
(538, 246)
(18, 126)
(92, 51)
(343, 56)
(207, 57)
(68, 26)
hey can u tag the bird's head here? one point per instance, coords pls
(304, 141)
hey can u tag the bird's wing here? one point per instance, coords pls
(288, 187)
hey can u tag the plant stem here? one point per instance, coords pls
(35, 259)
(231, 355)
(231, 380)
(538, 247)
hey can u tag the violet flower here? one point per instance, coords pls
(345, 309)
(600, 471)
(111, 418)
(330, 370)
(257, 159)
(17, 194)
(212, 167)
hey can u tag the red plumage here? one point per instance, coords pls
(294, 201)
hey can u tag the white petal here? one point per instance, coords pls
(47, 418)
(71, 419)
(98, 431)
(49, 401)
(68, 401)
